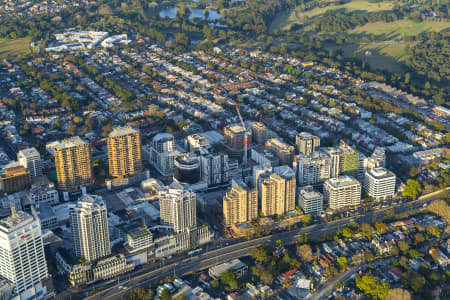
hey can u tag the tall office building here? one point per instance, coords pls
(313, 168)
(278, 193)
(31, 160)
(89, 225)
(379, 183)
(214, 168)
(342, 192)
(178, 207)
(240, 204)
(162, 153)
(124, 152)
(22, 258)
(259, 133)
(281, 150)
(14, 178)
(73, 162)
(310, 201)
(306, 142)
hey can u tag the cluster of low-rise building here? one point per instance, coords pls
(28, 9)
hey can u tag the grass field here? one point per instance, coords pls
(393, 30)
(294, 16)
(14, 48)
(384, 56)
(387, 53)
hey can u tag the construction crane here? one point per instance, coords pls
(244, 160)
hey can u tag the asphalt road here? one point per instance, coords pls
(114, 290)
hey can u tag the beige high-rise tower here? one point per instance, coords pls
(240, 204)
(73, 162)
(124, 152)
(278, 193)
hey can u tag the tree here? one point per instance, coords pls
(381, 227)
(140, 294)
(418, 238)
(302, 239)
(215, 284)
(229, 278)
(440, 208)
(372, 286)
(395, 251)
(412, 189)
(260, 253)
(346, 232)
(357, 259)
(106, 129)
(92, 106)
(403, 246)
(342, 262)
(72, 131)
(306, 219)
(267, 277)
(434, 230)
(305, 252)
(367, 230)
(165, 295)
(398, 294)
(415, 281)
(78, 120)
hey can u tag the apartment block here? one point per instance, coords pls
(73, 162)
(379, 183)
(240, 204)
(340, 192)
(124, 152)
(306, 142)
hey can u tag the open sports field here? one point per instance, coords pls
(295, 16)
(385, 55)
(394, 30)
(15, 47)
(360, 5)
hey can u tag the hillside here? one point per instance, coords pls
(375, 32)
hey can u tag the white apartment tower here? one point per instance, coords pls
(31, 160)
(22, 258)
(89, 225)
(335, 155)
(310, 201)
(342, 192)
(313, 168)
(379, 183)
(162, 153)
(178, 207)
